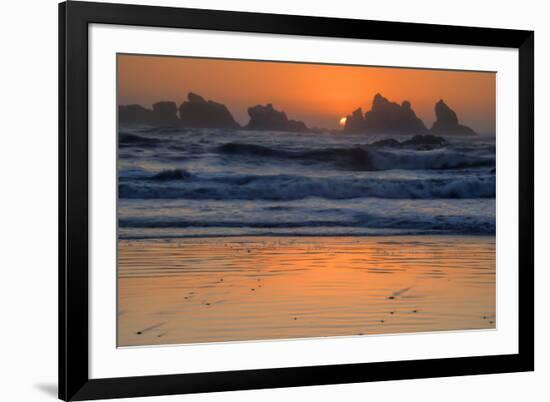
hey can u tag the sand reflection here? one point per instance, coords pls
(232, 289)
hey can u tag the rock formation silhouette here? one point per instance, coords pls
(268, 118)
(390, 117)
(199, 113)
(165, 114)
(355, 122)
(134, 115)
(447, 121)
(385, 117)
(419, 142)
(195, 112)
(425, 140)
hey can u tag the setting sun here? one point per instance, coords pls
(342, 122)
(317, 94)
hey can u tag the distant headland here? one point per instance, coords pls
(384, 117)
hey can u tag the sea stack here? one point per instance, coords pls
(266, 117)
(165, 114)
(447, 122)
(386, 117)
(199, 113)
(355, 122)
(392, 118)
(134, 115)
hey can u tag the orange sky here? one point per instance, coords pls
(315, 93)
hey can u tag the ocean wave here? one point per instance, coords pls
(290, 187)
(366, 158)
(171, 174)
(419, 223)
(132, 140)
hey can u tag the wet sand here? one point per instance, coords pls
(252, 288)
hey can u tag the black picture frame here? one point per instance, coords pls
(74, 19)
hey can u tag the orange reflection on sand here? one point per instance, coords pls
(228, 289)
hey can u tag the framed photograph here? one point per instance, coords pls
(257, 201)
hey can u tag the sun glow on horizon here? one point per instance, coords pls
(342, 121)
(313, 93)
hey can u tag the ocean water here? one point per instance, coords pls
(188, 183)
(231, 235)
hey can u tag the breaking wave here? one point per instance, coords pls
(366, 158)
(418, 222)
(290, 187)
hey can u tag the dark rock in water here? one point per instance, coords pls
(176, 174)
(385, 117)
(165, 114)
(388, 143)
(297, 126)
(425, 141)
(389, 117)
(445, 115)
(198, 113)
(355, 122)
(267, 118)
(447, 122)
(134, 115)
(419, 142)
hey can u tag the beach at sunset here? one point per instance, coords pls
(272, 200)
(253, 288)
